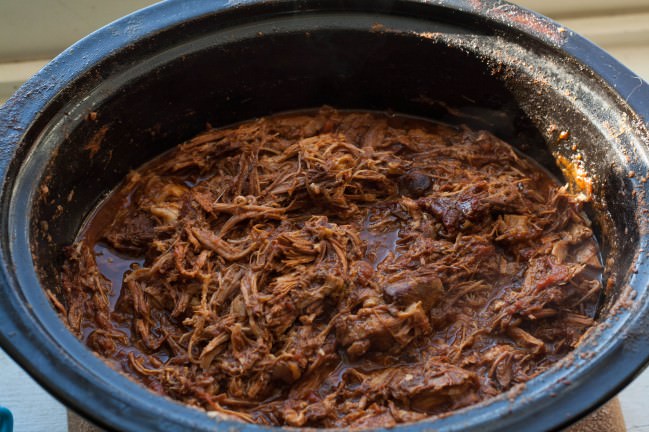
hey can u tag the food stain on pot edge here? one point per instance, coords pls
(94, 145)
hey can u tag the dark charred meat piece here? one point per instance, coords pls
(414, 183)
(426, 289)
(456, 208)
(334, 269)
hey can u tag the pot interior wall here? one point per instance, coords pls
(139, 103)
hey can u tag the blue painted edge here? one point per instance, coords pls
(6, 420)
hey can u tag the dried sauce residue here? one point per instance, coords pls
(94, 145)
(334, 270)
(577, 177)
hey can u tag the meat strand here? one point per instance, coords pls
(333, 269)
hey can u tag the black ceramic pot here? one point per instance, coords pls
(142, 84)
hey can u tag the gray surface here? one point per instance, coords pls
(33, 409)
(635, 404)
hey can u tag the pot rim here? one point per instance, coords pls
(39, 351)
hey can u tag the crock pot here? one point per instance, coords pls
(154, 78)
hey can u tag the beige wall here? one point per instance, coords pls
(39, 29)
(34, 31)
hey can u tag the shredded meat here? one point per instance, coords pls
(334, 270)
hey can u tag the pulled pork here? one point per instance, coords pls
(334, 270)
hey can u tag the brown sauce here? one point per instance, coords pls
(333, 269)
(113, 265)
